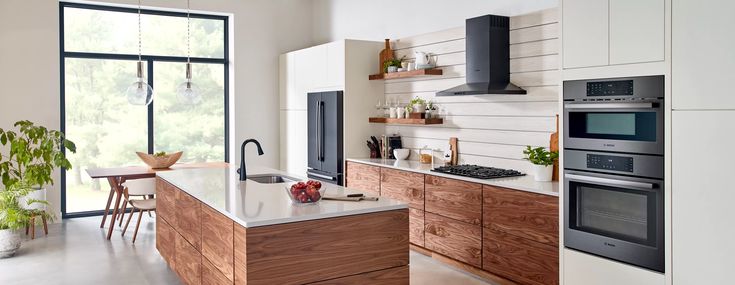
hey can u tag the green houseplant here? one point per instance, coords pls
(418, 105)
(31, 155)
(542, 160)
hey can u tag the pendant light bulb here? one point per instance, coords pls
(187, 91)
(139, 92)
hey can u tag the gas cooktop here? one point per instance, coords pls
(480, 172)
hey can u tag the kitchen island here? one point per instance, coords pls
(212, 228)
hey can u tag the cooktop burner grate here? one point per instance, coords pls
(480, 172)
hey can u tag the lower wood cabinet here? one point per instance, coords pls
(166, 241)
(211, 275)
(456, 199)
(188, 262)
(527, 215)
(416, 226)
(166, 201)
(363, 177)
(217, 241)
(519, 259)
(189, 218)
(403, 186)
(391, 276)
(455, 239)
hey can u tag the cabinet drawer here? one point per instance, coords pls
(189, 218)
(166, 201)
(527, 215)
(166, 241)
(211, 275)
(363, 177)
(522, 260)
(405, 186)
(217, 241)
(416, 226)
(455, 199)
(454, 239)
(188, 262)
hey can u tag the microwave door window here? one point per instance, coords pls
(611, 124)
(629, 126)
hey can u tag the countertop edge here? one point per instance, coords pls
(491, 182)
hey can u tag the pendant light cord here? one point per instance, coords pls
(188, 33)
(140, 50)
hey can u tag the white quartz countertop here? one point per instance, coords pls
(252, 204)
(524, 183)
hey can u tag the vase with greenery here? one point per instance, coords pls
(28, 158)
(542, 160)
(418, 105)
(431, 110)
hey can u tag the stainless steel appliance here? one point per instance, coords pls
(325, 140)
(614, 168)
(480, 172)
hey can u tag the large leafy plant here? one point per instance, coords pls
(31, 155)
(540, 156)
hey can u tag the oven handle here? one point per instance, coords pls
(610, 106)
(615, 182)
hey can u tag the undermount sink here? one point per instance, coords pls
(271, 178)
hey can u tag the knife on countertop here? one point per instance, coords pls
(351, 198)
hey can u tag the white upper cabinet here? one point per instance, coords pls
(609, 32)
(584, 33)
(637, 31)
(703, 54)
(335, 64)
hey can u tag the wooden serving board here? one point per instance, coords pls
(554, 146)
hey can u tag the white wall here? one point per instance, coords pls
(261, 30)
(381, 19)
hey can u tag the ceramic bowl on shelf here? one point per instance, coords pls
(308, 192)
(401, 153)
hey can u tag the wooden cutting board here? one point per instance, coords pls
(554, 146)
(385, 54)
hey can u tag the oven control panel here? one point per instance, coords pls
(610, 162)
(610, 88)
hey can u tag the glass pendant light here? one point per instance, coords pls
(139, 93)
(187, 91)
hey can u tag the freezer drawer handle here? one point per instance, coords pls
(320, 176)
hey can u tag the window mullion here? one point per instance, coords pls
(150, 107)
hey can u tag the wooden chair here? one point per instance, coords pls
(139, 187)
(32, 224)
(144, 184)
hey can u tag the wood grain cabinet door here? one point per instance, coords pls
(217, 241)
(454, 199)
(527, 215)
(455, 239)
(416, 226)
(363, 177)
(166, 241)
(166, 201)
(403, 186)
(188, 262)
(519, 259)
(211, 275)
(189, 218)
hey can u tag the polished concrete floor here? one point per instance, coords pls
(76, 252)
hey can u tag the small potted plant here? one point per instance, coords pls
(543, 162)
(418, 105)
(33, 154)
(391, 65)
(431, 110)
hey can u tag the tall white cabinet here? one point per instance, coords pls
(340, 65)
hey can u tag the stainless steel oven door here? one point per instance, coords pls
(633, 126)
(617, 217)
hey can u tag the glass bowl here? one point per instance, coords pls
(308, 195)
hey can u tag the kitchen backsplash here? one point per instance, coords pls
(492, 129)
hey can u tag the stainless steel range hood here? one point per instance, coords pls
(487, 58)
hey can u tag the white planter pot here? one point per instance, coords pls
(9, 243)
(419, 108)
(38, 194)
(542, 172)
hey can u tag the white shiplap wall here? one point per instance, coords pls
(492, 129)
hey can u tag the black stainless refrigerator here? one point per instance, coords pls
(325, 137)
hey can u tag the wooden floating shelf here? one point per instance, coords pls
(432, 121)
(405, 74)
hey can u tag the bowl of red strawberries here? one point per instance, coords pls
(305, 192)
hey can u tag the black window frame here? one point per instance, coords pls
(149, 59)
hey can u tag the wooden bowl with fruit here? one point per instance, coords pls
(160, 159)
(308, 192)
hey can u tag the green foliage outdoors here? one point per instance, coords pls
(540, 156)
(32, 154)
(108, 131)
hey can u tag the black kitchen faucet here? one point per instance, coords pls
(241, 170)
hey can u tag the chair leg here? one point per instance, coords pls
(140, 217)
(33, 227)
(149, 214)
(128, 222)
(26, 229)
(45, 225)
(122, 214)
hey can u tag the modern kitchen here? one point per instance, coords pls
(469, 142)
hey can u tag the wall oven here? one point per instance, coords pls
(614, 168)
(620, 115)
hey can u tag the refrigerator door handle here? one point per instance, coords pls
(321, 134)
(318, 131)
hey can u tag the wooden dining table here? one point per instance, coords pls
(116, 176)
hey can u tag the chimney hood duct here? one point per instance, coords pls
(487, 58)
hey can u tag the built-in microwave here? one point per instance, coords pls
(618, 115)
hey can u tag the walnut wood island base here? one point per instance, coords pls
(205, 246)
